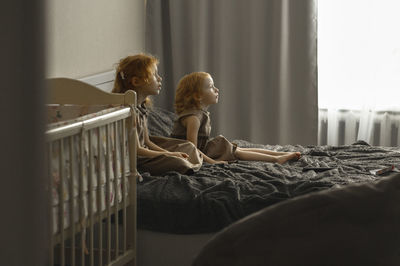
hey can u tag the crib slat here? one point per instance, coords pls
(116, 188)
(81, 197)
(99, 198)
(51, 239)
(108, 194)
(123, 184)
(90, 189)
(131, 211)
(132, 192)
(61, 201)
(71, 198)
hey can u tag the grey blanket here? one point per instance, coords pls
(218, 195)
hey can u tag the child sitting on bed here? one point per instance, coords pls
(154, 154)
(194, 94)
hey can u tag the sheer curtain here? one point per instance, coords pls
(261, 54)
(359, 70)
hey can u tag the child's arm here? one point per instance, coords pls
(192, 124)
(151, 144)
(155, 150)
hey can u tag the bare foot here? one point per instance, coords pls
(290, 156)
(298, 154)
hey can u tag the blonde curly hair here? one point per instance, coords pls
(188, 92)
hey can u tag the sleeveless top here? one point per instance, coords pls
(179, 131)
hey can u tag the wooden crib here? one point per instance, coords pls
(91, 160)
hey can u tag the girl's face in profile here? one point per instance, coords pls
(153, 85)
(209, 93)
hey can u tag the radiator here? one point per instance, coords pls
(342, 127)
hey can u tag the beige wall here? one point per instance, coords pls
(89, 37)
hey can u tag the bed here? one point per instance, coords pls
(178, 214)
(91, 160)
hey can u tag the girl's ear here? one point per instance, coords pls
(198, 97)
(135, 81)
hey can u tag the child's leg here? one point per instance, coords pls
(265, 151)
(274, 153)
(247, 155)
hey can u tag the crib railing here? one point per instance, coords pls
(84, 231)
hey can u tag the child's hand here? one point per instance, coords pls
(179, 154)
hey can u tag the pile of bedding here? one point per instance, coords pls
(218, 195)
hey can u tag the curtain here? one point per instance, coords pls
(261, 55)
(358, 69)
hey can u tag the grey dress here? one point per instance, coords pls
(164, 163)
(218, 148)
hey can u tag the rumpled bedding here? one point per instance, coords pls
(218, 195)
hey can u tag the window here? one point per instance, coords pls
(359, 54)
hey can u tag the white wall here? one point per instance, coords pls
(89, 37)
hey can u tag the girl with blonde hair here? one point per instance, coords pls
(194, 94)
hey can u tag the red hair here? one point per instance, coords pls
(188, 91)
(139, 66)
